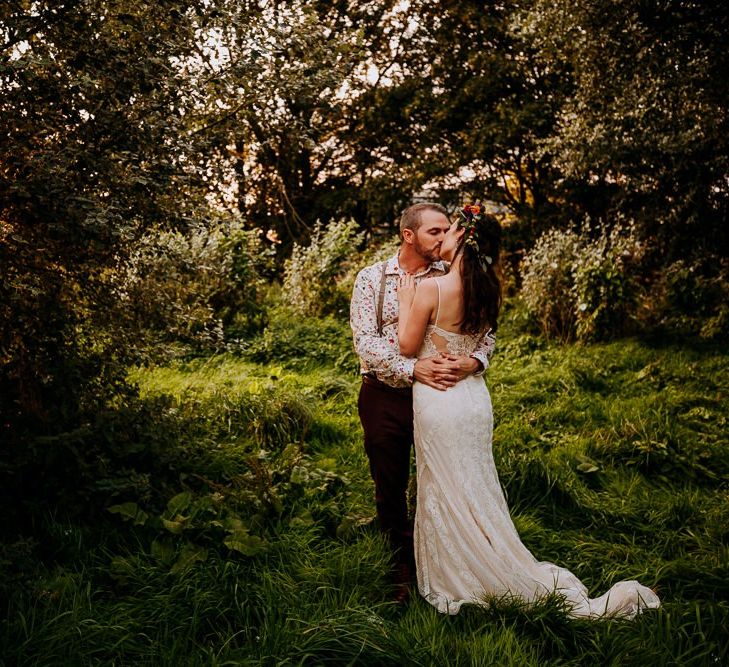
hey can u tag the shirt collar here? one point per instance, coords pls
(393, 267)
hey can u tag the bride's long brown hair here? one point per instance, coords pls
(481, 277)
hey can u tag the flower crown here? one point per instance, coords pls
(471, 215)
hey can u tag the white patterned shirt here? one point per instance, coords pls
(381, 354)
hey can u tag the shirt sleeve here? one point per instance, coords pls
(379, 354)
(485, 349)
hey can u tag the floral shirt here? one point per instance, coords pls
(381, 354)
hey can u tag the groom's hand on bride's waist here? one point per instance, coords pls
(466, 365)
(444, 371)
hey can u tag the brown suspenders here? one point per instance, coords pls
(381, 299)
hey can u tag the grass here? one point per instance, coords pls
(614, 458)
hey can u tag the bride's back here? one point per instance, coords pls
(449, 312)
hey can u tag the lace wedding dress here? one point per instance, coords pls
(466, 545)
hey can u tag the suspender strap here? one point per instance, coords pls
(381, 299)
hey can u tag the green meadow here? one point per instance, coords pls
(261, 547)
(188, 192)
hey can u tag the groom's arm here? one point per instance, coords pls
(483, 352)
(477, 362)
(379, 354)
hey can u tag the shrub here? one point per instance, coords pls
(311, 274)
(580, 285)
(605, 286)
(288, 337)
(202, 289)
(308, 319)
(547, 283)
(691, 298)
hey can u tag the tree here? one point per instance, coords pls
(94, 151)
(645, 132)
(276, 105)
(466, 109)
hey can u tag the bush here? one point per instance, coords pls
(605, 285)
(291, 338)
(311, 284)
(580, 285)
(202, 289)
(309, 322)
(691, 298)
(547, 283)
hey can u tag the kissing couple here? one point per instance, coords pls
(423, 323)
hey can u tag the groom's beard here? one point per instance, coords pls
(429, 254)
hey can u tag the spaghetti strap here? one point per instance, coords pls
(437, 310)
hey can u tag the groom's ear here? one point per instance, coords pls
(408, 235)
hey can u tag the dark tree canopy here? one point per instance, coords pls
(94, 152)
(121, 116)
(645, 131)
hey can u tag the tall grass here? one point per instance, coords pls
(614, 458)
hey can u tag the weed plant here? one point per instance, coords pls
(262, 549)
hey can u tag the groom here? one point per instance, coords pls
(385, 398)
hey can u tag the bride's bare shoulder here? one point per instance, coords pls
(428, 286)
(449, 283)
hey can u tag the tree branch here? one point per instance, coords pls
(58, 15)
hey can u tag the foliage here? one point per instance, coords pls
(124, 116)
(310, 274)
(484, 119)
(644, 130)
(547, 282)
(93, 152)
(323, 110)
(246, 467)
(576, 286)
(279, 109)
(621, 473)
(202, 288)
(606, 284)
(238, 495)
(291, 339)
(92, 109)
(230, 517)
(690, 298)
(319, 110)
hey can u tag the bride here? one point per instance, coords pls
(466, 545)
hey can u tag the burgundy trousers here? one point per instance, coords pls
(386, 414)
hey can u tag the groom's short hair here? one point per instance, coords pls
(410, 218)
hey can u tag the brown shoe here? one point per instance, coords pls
(402, 577)
(401, 595)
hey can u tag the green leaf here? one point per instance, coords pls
(122, 568)
(587, 465)
(248, 545)
(163, 551)
(179, 503)
(189, 555)
(350, 524)
(126, 510)
(299, 475)
(327, 465)
(303, 519)
(130, 512)
(234, 524)
(175, 527)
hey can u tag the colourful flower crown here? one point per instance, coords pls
(472, 215)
